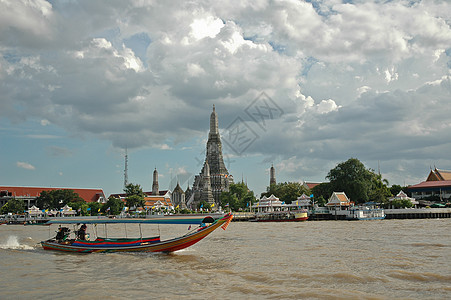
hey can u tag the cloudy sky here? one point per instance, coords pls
(304, 85)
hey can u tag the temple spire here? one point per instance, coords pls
(155, 183)
(213, 122)
(272, 175)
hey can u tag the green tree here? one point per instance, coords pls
(15, 206)
(238, 197)
(115, 205)
(287, 191)
(135, 195)
(352, 178)
(401, 203)
(379, 191)
(322, 192)
(134, 189)
(95, 207)
(135, 201)
(56, 199)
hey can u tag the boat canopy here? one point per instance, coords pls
(196, 219)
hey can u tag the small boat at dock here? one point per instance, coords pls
(282, 216)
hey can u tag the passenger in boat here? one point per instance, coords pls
(62, 234)
(82, 232)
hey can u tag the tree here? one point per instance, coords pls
(360, 184)
(287, 191)
(379, 191)
(238, 197)
(15, 206)
(115, 205)
(95, 208)
(401, 203)
(322, 192)
(352, 178)
(133, 189)
(56, 199)
(135, 195)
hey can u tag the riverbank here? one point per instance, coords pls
(407, 213)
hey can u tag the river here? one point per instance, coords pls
(314, 260)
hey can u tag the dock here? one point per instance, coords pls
(418, 213)
(403, 213)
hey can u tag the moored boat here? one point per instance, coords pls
(365, 213)
(62, 242)
(282, 216)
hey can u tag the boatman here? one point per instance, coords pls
(82, 232)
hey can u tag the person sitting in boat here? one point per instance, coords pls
(82, 232)
(62, 234)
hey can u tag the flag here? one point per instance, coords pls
(178, 206)
(79, 209)
(88, 209)
(98, 210)
(227, 205)
(108, 209)
(202, 205)
(213, 205)
(311, 196)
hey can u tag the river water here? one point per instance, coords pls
(317, 260)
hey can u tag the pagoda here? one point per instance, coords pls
(214, 177)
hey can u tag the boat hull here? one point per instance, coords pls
(138, 245)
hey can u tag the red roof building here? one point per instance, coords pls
(29, 194)
(310, 185)
(438, 183)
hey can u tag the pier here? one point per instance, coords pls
(418, 213)
(403, 213)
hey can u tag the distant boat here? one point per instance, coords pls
(365, 213)
(62, 242)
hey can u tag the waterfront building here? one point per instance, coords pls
(403, 196)
(29, 194)
(214, 177)
(268, 204)
(159, 202)
(438, 183)
(338, 201)
(303, 202)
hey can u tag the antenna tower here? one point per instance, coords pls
(126, 169)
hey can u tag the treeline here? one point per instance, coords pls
(360, 184)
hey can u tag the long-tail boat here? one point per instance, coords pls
(62, 242)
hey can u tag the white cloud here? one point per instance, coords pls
(206, 27)
(376, 72)
(25, 165)
(327, 106)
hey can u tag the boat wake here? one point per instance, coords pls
(13, 243)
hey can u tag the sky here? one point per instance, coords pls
(302, 85)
